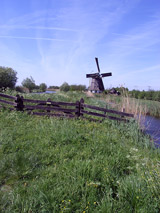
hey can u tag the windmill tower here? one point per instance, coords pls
(96, 84)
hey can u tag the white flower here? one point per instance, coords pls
(134, 149)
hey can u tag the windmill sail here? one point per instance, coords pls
(96, 84)
(97, 64)
(106, 74)
(93, 75)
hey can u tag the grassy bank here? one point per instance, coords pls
(132, 105)
(55, 165)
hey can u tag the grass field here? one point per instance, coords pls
(56, 165)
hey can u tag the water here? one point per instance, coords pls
(49, 92)
(46, 92)
(152, 128)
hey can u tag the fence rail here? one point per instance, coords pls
(62, 109)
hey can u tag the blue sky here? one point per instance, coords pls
(56, 41)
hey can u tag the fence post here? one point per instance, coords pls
(81, 106)
(104, 114)
(77, 109)
(48, 103)
(19, 101)
(123, 110)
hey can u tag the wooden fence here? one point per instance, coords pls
(61, 109)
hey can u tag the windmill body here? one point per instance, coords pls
(96, 84)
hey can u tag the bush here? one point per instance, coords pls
(53, 87)
(22, 89)
(43, 87)
(79, 87)
(147, 95)
(29, 83)
(65, 87)
(8, 77)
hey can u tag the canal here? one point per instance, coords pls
(152, 128)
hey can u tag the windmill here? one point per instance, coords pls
(96, 84)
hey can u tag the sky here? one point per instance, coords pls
(56, 41)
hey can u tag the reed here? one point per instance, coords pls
(127, 104)
(137, 106)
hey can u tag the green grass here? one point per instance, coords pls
(61, 165)
(148, 107)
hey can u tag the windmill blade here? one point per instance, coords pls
(93, 75)
(97, 64)
(106, 74)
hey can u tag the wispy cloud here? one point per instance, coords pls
(35, 38)
(35, 28)
(140, 37)
(66, 37)
(146, 70)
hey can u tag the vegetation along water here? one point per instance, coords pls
(64, 165)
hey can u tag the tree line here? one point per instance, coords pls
(147, 95)
(8, 79)
(65, 87)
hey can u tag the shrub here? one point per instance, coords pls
(29, 83)
(22, 89)
(43, 87)
(8, 77)
(65, 87)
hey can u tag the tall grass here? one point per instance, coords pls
(55, 165)
(132, 105)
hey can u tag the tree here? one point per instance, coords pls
(53, 87)
(29, 83)
(8, 77)
(157, 96)
(150, 94)
(79, 87)
(43, 87)
(65, 87)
